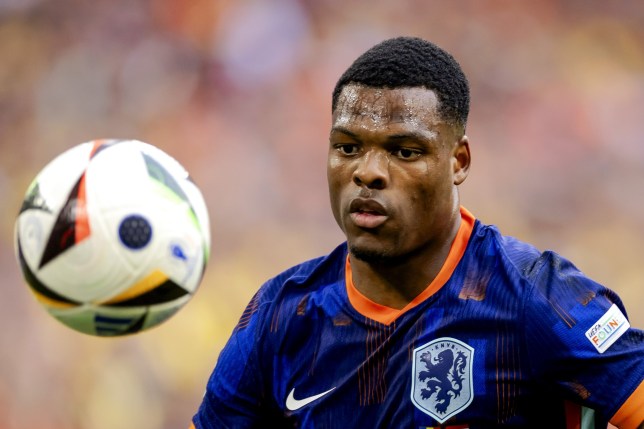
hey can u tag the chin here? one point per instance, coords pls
(378, 256)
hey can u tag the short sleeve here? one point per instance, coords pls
(578, 337)
(235, 392)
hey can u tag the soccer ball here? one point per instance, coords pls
(113, 237)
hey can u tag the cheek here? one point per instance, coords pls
(334, 180)
(335, 197)
(339, 173)
(333, 163)
(437, 176)
(429, 191)
(333, 172)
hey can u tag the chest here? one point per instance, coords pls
(447, 365)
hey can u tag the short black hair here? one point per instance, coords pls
(412, 62)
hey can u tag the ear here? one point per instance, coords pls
(461, 160)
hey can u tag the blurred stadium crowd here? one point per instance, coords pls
(240, 93)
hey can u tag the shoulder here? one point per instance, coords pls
(305, 277)
(525, 258)
(516, 255)
(288, 288)
(544, 274)
(557, 296)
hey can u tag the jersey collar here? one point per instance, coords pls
(387, 315)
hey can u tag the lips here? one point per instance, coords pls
(367, 213)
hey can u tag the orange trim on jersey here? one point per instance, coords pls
(631, 414)
(192, 426)
(386, 315)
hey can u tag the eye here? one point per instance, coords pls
(406, 153)
(347, 149)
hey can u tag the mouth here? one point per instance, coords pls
(367, 213)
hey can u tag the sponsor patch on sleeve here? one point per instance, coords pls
(608, 329)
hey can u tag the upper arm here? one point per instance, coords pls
(564, 313)
(236, 391)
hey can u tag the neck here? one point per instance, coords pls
(396, 284)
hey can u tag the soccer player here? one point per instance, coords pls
(425, 317)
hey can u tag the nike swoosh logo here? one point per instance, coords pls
(295, 404)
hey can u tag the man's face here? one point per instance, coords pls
(393, 170)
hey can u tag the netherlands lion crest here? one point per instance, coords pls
(442, 378)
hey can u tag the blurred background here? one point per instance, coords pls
(240, 92)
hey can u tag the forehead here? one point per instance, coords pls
(360, 105)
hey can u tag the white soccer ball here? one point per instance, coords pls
(113, 237)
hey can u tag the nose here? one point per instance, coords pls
(372, 170)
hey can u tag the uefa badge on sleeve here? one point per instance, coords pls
(442, 378)
(612, 325)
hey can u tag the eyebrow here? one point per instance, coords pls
(411, 135)
(344, 130)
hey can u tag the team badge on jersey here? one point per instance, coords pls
(442, 378)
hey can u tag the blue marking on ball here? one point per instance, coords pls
(178, 252)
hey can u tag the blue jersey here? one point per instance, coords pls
(505, 336)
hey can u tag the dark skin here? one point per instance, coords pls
(393, 169)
